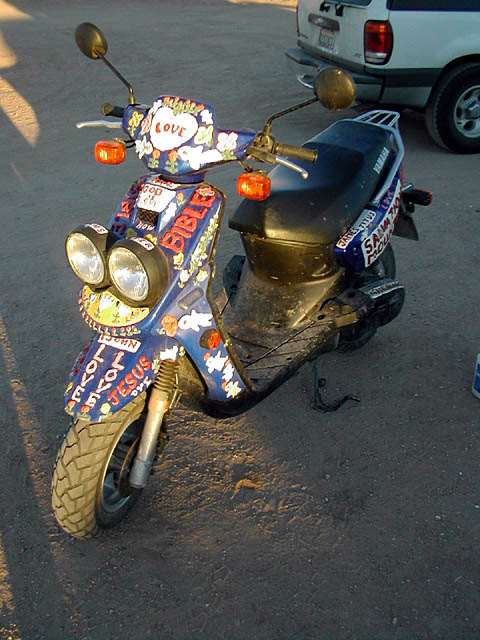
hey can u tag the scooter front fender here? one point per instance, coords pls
(110, 372)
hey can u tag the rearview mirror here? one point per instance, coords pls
(91, 41)
(335, 89)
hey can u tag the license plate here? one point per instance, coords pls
(326, 39)
(154, 198)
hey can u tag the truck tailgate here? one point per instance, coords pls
(337, 34)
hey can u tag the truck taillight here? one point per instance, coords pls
(378, 41)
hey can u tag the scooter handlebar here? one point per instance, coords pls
(110, 110)
(295, 152)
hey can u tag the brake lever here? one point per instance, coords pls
(291, 165)
(263, 155)
(99, 123)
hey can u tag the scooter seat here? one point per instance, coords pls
(341, 182)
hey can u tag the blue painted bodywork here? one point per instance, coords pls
(179, 136)
(370, 235)
(185, 300)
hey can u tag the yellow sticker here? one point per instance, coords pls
(105, 408)
(105, 308)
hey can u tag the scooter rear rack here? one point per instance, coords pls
(387, 120)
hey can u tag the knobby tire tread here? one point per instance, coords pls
(79, 468)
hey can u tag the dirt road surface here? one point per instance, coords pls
(366, 522)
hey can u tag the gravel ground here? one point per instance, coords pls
(365, 522)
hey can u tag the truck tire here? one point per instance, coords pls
(453, 111)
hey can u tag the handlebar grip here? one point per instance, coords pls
(109, 110)
(296, 152)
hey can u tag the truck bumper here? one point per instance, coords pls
(305, 67)
(402, 87)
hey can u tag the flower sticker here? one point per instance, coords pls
(170, 324)
(172, 165)
(204, 136)
(216, 362)
(232, 389)
(191, 155)
(227, 141)
(105, 408)
(228, 372)
(195, 321)
(206, 116)
(211, 156)
(134, 121)
(201, 276)
(184, 277)
(143, 147)
(146, 124)
(197, 158)
(169, 354)
(178, 260)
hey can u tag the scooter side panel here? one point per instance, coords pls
(187, 236)
(111, 371)
(191, 316)
(370, 235)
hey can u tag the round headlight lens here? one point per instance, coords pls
(128, 274)
(85, 259)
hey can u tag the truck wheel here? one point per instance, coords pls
(453, 111)
(90, 488)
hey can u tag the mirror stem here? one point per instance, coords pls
(300, 105)
(131, 94)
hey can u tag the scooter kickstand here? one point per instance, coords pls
(319, 404)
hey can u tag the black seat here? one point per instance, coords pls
(341, 183)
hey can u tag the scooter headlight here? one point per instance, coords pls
(138, 270)
(86, 248)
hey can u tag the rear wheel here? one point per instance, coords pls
(90, 488)
(355, 337)
(453, 112)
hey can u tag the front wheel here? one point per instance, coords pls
(90, 488)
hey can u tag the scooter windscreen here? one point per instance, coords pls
(178, 136)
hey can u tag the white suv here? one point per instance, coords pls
(423, 54)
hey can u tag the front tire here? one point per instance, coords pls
(90, 489)
(453, 112)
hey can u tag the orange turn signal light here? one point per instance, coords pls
(210, 339)
(253, 185)
(110, 151)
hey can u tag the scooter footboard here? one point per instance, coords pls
(111, 371)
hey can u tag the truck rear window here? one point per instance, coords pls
(434, 5)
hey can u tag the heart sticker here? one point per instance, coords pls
(169, 131)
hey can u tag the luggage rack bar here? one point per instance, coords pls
(387, 120)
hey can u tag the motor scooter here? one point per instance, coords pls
(318, 274)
